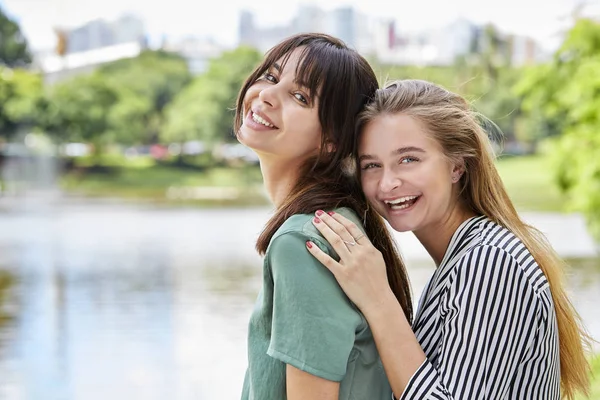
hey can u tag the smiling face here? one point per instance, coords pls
(405, 175)
(281, 119)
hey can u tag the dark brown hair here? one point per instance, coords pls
(344, 82)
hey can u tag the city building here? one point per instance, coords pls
(344, 23)
(82, 49)
(384, 40)
(100, 33)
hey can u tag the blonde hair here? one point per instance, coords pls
(458, 129)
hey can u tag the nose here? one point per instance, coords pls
(268, 96)
(389, 181)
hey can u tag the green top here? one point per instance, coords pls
(303, 318)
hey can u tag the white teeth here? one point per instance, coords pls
(400, 207)
(261, 121)
(401, 200)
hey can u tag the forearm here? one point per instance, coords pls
(401, 353)
(303, 386)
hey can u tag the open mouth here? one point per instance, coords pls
(402, 203)
(259, 120)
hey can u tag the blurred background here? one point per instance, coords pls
(128, 212)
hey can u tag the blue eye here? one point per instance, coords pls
(408, 160)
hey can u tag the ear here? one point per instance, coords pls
(457, 171)
(329, 147)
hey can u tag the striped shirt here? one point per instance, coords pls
(486, 322)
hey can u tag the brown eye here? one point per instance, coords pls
(301, 97)
(369, 166)
(269, 77)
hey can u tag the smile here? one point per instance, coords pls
(401, 203)
(258, 119)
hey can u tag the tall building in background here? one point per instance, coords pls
(444, 45)
(247, 29)
(310, 18)
(82, 49)
(344, 23)
(100, 33)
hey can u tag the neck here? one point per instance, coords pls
(436, 237)
(279, 179)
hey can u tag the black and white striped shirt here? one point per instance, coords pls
(486, 322)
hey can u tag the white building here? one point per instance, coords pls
(344, 23)
(56, 68)
(100, 33)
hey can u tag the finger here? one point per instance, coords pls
(323, 257)
(334, 239)
(351, 227)
(335, 226)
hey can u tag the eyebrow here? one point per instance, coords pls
(277, 67)
(397, 152)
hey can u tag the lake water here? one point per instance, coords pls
(112, 301)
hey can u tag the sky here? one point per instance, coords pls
(541, 19)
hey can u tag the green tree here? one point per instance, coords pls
(566, 94)
(79, 109)
(204, 110)
(144, 85)
(20, 97)
(13, 46)
(483, 75)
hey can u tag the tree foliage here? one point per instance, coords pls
(144, 86)
(204, 109)
(565, 93)
(484, 76)
(78, 109)
(20, 96)
(13, 46)
(120, 102)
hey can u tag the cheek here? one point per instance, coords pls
(251, 93)
(441, 189)
(312, 131)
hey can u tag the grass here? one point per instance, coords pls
(143, 179)
(528, 180)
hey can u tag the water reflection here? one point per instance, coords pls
(584, 285)
(8, 308)
(103, 301)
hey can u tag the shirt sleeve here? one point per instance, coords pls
(488, 319)
(314, 323)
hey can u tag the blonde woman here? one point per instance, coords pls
(494, 321)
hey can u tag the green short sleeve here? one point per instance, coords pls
(314, 323)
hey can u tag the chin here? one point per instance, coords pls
(401, 227)
(245, 138)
